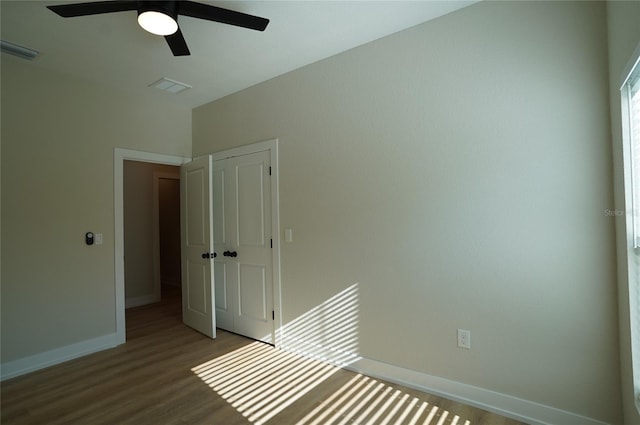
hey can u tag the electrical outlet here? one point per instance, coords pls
(464, 339)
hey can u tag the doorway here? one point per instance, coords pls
(151, 230)
(121, 156)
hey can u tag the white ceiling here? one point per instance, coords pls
(113, 50)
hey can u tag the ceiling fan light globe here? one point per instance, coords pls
(157, 23)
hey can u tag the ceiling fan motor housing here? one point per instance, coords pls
(158, 17)
(169, 8)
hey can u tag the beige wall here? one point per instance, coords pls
(58, 139)
(459, 172)
(624, 37)
(140, 266)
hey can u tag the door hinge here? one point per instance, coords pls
(271, 243)
(269, 170)
(273, 315)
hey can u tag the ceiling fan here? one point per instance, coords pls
(161, 17)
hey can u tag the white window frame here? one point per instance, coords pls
(631, 171)
(631, 139)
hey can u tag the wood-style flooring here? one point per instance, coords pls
(167, 373)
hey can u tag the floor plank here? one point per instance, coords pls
(167, 373)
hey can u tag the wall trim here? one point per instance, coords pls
(502, 404)
(38, 361)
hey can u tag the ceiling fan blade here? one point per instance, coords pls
(93, 8)
(225, 16)
(177, 44)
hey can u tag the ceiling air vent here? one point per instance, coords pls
(172, 86)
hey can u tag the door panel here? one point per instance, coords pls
(246, 217)
(197, 278)
(221, 290)
(252, 288)
(224, 308)
(219, 224)
(197, 243)
(196, 209)
(250, 204)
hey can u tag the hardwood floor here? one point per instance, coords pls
(167, 373)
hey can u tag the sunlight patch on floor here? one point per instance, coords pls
(364, 400)
(260, 381)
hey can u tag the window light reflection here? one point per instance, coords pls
(352, 404)
(327, 332)
(261, 382)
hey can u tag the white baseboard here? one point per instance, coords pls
(502, 404)
(138, 301)
(52, 357)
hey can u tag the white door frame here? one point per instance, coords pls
(272, 147)
(119, 156)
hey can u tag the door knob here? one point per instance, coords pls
(206, 255)
(233, 254)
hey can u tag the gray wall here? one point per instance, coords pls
(458, 172)
(58, 140)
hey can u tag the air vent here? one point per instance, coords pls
(172, 86)
(19, 51)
